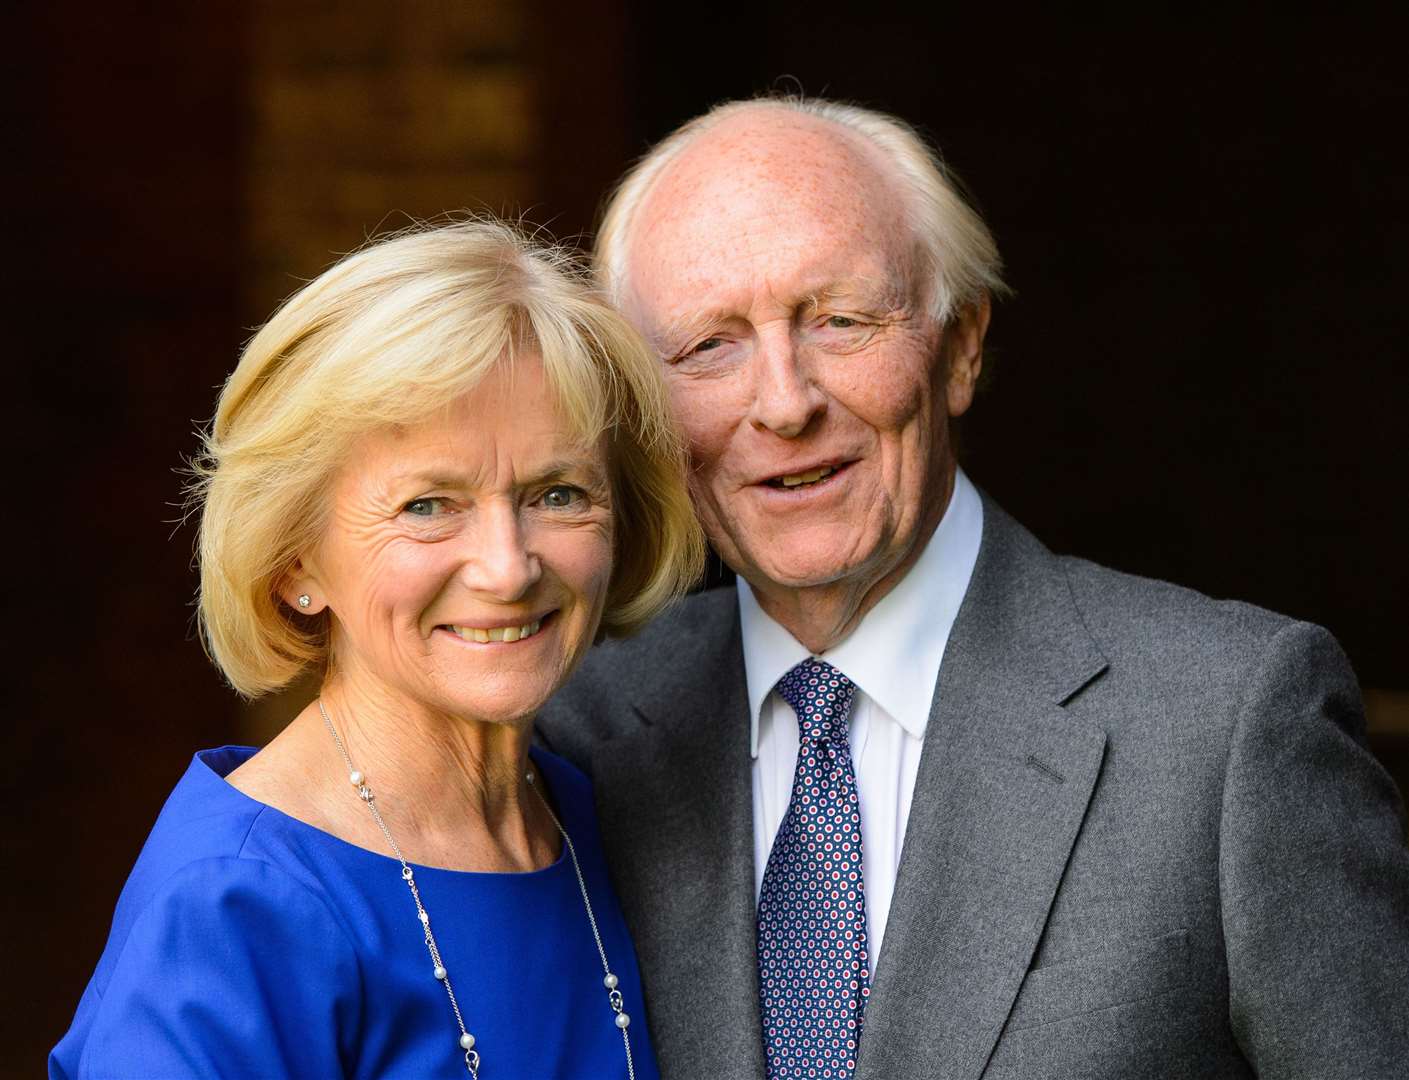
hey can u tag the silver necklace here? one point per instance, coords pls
(439, 970)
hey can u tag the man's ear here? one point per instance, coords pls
(299, 589)
(963, 345)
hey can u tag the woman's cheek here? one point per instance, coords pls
(602, 563)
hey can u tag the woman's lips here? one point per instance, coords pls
(507, 634)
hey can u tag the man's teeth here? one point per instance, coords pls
(498, 633)
(807, 477)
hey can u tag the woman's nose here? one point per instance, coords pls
(499, 563)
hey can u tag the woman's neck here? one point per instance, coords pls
(453, 792)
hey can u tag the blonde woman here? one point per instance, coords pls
(436, 476)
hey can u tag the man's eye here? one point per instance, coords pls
(561, 496)
(840, 322)
(422, 507)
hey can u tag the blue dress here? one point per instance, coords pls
(247, 943)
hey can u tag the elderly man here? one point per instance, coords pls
(918, 798)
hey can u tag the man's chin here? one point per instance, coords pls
(808, 555)
(791, 571)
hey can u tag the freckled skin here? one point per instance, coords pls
(772, 268)
(453, 522)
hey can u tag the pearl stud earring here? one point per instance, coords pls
(305, 600)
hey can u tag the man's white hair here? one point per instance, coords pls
(961, 263)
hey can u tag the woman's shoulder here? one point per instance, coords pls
(203, 814)
(209, 853)
(203, 818)
(205, 928)
(208, 970)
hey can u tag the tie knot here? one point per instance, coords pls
(821, 696)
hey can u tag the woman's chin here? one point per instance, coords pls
(501, 697)
(503, 681)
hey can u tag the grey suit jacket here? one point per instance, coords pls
(1147, 840)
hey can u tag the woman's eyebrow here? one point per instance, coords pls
(429, 478)
(556, 469)
(563, 468)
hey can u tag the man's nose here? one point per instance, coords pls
(499, 563)
(785, 398)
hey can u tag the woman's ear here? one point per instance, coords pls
(300, 591)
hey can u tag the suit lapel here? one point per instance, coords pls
(1005, 776)
(675, 801)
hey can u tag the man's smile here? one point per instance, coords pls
(805, 485)
(806, 477)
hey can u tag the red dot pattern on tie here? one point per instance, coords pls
(814, 976)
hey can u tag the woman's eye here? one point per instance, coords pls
(422, 507)
(561, 496)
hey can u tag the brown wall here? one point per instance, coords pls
(129, 217)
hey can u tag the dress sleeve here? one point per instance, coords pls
(235, 969)
(1314, 876)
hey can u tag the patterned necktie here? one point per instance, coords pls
(814, 974)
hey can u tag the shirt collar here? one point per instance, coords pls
(894, 653)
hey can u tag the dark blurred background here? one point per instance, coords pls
(1201, 377)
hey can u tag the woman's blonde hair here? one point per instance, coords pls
(405, 326)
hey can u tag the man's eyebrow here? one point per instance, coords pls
(890, 294)
(684, 327)
(881, 293)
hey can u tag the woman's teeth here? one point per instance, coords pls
(498, 633)
(807, 477)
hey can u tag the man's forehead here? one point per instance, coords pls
(760, 159)
(799, 208)
(669, 297)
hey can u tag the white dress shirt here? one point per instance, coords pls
(893, 657)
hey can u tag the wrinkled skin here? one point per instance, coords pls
(772, 268)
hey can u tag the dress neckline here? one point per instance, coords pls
(215, 764)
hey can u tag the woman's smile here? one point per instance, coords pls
(496, 633)
(487, 527)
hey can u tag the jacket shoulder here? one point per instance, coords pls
(1198, 655)
(1153, 637)
(1127, 613)
(699, 621)
(699, 632)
